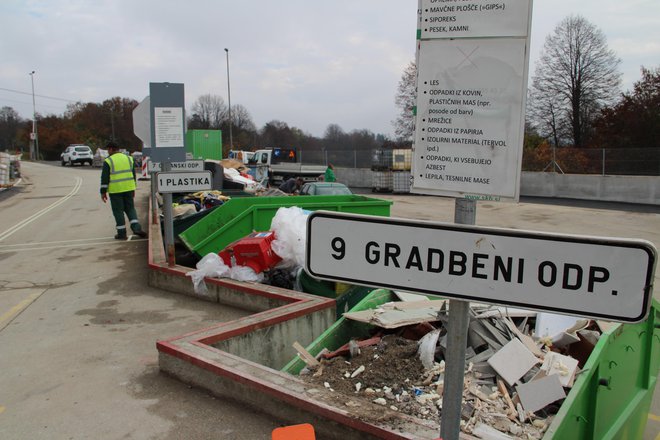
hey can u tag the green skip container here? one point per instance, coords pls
(241, 216)
(611, 397)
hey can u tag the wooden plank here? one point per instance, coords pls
(305, 355)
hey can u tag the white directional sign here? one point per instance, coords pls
(189, 165)
(603, 278)
(142, 121)
(173, 182)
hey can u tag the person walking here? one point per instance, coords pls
(330, 174)
(118, 180)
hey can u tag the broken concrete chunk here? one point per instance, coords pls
(537, 394)
(359, 370)
(512, 361)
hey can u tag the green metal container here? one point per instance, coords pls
(204, 144)
(610, 398)
(343, 329)
(241, 216)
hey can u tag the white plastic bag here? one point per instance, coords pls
(290, 227)
(426, 348)
(209, 266)
(245, 273)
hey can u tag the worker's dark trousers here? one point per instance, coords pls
(123, 203)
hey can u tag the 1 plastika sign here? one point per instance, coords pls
(173, 182)
(596, 277)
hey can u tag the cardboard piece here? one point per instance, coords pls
(538, 394)
(400, 314)
(512, 361)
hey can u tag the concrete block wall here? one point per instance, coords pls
(626, 189)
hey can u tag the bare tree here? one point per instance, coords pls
(576, 75)
(334, 137)
(209, 111)
(241, 118)
(406, 94)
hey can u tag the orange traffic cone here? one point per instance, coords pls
(294, 432)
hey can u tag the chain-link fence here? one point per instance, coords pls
(609, 161)
(603, 161)
(338, 158)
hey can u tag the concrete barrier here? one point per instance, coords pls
(625, 189)
(241, 359)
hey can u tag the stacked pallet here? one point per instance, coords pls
(4, 170)
(391, 170)
(401, 164)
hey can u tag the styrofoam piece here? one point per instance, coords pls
(563, 366)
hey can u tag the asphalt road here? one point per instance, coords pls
(78, 322)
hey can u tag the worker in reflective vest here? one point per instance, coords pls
(118, 180)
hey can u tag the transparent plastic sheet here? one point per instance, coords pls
(209, 266)
(244, 273)
(290, 227)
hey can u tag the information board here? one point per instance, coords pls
(167, 122)
(605, 278)
(472, 63)
(474, 18)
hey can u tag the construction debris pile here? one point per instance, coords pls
(519, 366)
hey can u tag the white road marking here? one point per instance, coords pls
(20, 225)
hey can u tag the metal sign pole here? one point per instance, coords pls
(154, 198)
(465, 213)
(169, 222)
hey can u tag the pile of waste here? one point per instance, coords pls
(519, 366)
(196, 202)
(272, 257)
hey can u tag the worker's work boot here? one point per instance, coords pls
(140, 233)
(121, 236)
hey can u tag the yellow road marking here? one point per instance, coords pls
(654, 418)
(2, 409)
(8, 316)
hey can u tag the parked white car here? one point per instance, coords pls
(77, 154)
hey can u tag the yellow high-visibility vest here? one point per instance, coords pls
(121, 173)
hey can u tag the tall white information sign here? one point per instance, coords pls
(472, 61)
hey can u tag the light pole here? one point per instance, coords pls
(231, 140)
(35, 137)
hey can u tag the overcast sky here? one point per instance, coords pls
(307, 63)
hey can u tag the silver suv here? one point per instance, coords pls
(77, 154)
